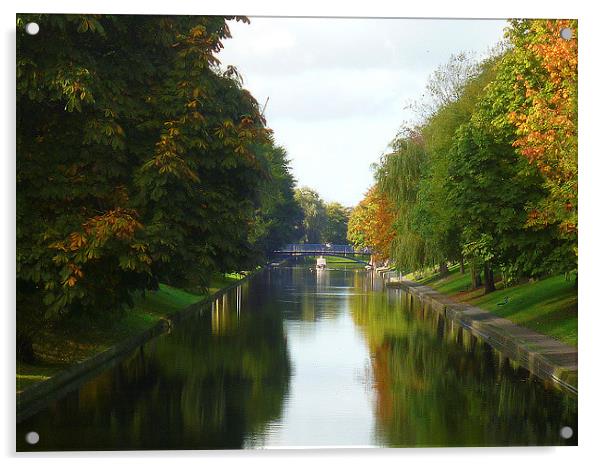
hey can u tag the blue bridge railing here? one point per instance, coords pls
(314, 248)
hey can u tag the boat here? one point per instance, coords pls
(321, 263)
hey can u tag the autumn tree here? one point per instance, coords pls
(497, 188)
(490, 171)
(140, 159)
(544, 111)
(371, 224)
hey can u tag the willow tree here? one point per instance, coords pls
(398, 177)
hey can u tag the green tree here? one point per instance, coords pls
(496, 186)
(398, 178)
(437, 219)
(140, 159)
(482, 177)
(337, 218)
(278, 220)
(543, 110)
(314, 215)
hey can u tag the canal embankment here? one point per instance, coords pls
(542, 355)
(153, 314)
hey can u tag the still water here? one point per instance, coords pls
(298, 357)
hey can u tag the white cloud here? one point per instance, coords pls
(338, 87)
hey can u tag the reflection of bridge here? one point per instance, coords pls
(336, 250)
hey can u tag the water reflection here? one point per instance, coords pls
(436, 385)
(214, 380)
(300, 357)
(328, 402)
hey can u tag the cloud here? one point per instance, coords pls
(323, 94)
(337, 87)
(293, 45)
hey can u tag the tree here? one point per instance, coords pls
(446, 85)
(492, 185)
(398, 178)
(139, 160)
(502, 185)
(314, 215)
(371, 224)
(490, 173)
(337, 217)
(278, 220)
(437, 219)
(544, 112)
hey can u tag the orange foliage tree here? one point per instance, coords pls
(371, 224)
(545, 114)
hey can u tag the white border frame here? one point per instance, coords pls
(590, 163)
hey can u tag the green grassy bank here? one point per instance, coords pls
(342, 262)
(548, 306)
(332, 262)
(66, 343)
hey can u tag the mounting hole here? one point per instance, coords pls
(566, 432)
(566, 33)
(32, 438)
(32, 28)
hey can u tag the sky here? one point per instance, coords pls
(339, 88)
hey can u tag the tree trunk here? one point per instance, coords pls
(476, 277)
(443, 270)
(25, 352)
(489, 280)
(462, 271)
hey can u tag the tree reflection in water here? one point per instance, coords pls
(217, 379)
(437, 385)
(221, 379)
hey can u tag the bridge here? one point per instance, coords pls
(347, 251)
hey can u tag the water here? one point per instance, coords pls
(298, 357)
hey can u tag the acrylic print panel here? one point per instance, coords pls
(295, 232)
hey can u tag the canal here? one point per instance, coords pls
(298, 357)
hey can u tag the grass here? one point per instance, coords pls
(69, 342)
(28, 374)
(222, 281)
(548, 306)
(333, 261)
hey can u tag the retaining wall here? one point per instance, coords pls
(542, 355)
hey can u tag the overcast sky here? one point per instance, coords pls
(338, 88)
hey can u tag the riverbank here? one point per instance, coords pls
(547, 306)
(542, 355)
(63, 345)
(332, 262)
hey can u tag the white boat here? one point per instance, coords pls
(321, 262)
